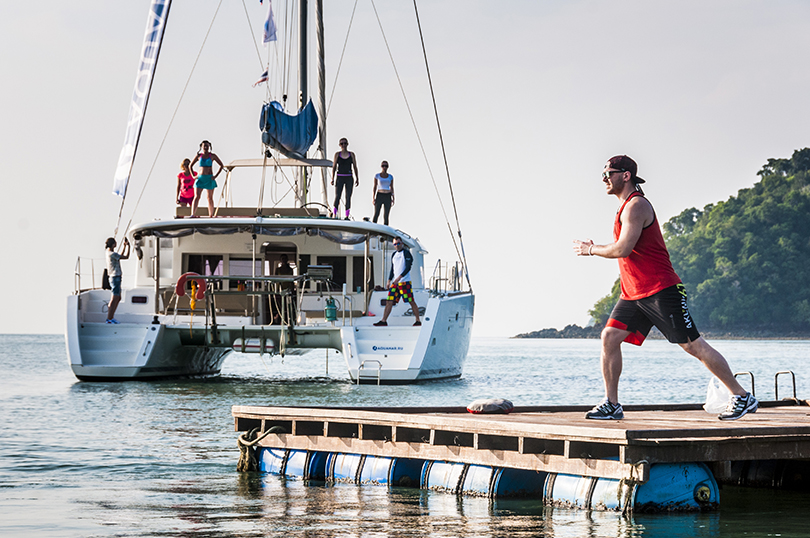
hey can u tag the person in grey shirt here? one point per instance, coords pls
(114, 272)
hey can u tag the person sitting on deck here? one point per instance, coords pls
(401, 262)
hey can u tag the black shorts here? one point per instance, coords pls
(666, 310)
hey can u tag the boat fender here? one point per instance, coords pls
(180, 287)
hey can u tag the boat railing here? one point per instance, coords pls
(86, 269)
(446, 278)
(274, 300)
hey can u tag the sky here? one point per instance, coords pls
(533, 97)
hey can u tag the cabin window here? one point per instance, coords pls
(338, 264)
(244, 267)
(206, 265)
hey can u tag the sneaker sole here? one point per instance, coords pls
(604, 418)
(750, 409)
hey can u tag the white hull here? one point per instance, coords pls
(138, 348)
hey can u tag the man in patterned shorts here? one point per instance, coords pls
(401, 263)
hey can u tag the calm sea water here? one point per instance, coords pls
(158, 458)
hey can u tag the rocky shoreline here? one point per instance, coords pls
(575, 331)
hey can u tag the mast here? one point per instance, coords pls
(321, 95)
(302, 86)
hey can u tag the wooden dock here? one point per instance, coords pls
(550, 439)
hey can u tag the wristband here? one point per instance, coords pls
(590, 250)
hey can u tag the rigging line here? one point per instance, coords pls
(337, 72)
(291, 26)
(416, 130)
(171, 121)
(441, 140)
(250, 29)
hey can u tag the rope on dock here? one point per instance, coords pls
(247, 453)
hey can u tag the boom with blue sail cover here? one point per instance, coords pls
(291, 135)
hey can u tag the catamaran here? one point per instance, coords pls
(267, 280)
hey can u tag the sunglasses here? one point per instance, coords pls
(384, 165)
(606, 173)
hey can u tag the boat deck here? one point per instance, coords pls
(551, 439)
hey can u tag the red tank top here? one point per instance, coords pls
(647, 270)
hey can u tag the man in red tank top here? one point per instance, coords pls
(652, 294)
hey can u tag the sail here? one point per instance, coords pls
(291, 135)
(155, 26)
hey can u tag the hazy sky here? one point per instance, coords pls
(534, 96)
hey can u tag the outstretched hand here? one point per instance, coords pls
(583, 248)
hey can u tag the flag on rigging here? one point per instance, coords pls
(269, 24)
(262, 78)
(155, 25)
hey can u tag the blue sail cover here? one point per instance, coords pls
(291, 135)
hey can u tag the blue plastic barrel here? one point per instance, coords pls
(517, 483)
(477, 480)
(406, 472)
(570, 491)
(376, 470)
(677, 486)
(271, 460)
(316, 468)
(441, 476)
(343, 467)
(296, 464)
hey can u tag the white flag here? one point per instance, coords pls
(269, 24)
(152, 39)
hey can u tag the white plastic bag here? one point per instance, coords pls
(717, 396)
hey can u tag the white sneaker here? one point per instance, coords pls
(739, 406)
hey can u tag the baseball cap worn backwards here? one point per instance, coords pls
(625, 164)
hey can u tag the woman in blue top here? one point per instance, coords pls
(207, 179)
(383, 192)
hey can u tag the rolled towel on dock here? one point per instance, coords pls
(491, 406)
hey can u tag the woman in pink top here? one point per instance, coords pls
(185, 184)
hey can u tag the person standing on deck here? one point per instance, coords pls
(344, 162)
(399, 285)
(206, 181)
(652, 294)
(113, 259)
(383, 195)
(185, 184)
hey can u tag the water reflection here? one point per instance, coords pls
(295, 507)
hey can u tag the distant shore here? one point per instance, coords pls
(594, 331)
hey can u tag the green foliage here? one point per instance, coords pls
(601, 310)
(744, 261)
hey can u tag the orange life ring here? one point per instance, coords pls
(180, 288)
